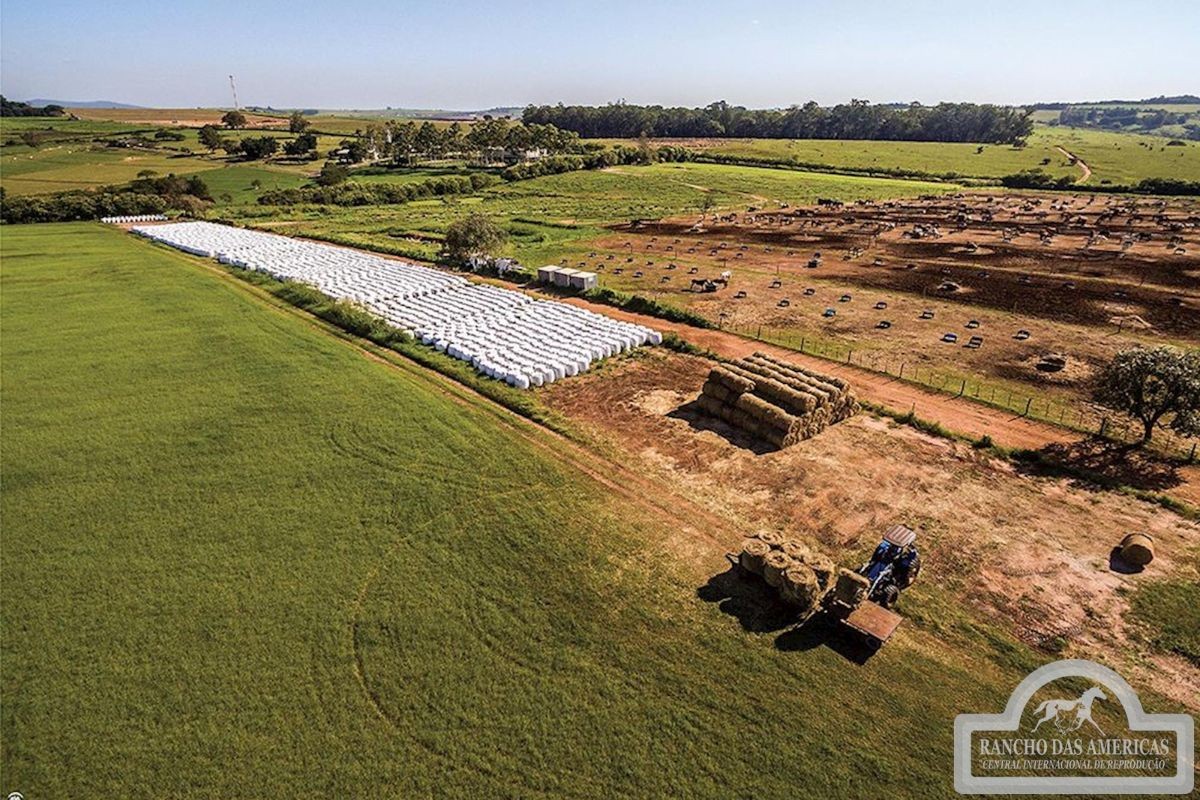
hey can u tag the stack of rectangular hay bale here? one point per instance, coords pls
(774, 400)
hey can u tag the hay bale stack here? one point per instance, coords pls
(754, 550)
(775, 540)
(774, 400)
(799, 586)
(796, 551)
(775, 563)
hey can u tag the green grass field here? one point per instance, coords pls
(550, 217)
(1118, 158)
(58, 167)
(1126, 158)
(241, 559)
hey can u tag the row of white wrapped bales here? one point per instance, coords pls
(504, 334)
(128, 218)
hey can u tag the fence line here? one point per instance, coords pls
(1074, 415)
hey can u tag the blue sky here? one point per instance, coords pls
(469, 55)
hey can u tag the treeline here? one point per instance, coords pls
(1161, 100)
(858, 119)
(487, 141)
(594, 159)
(1124, 118)
(15, 108)
(148, 195)
(1038, 179)
(370, 194)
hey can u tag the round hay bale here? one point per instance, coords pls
(775, 563)
(823, 569)
(773, 539)
(753, 552)
(797, 551)
(850, 587)
(799, 586)
(1137, 549)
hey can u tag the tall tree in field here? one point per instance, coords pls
(234, 120)
(297, 123)
(404, 142)
(1157, 387)
(210, 137)
(452, 138)
(474, 235)
(427, 141)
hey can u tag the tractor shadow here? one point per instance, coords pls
(758, 609)
(698, 420)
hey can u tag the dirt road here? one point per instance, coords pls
(962, 416)
(1079, 162)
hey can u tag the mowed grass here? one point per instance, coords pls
(1126, 158)
(550, 217)
(81, 165)
(936, 158)
(242, 183)
(1118, 158)
(240, 559)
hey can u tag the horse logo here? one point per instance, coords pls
(1069, 715)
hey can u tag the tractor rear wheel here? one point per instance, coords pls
(889, 596)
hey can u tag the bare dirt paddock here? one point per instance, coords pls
(1031, 554)
(1031, 275)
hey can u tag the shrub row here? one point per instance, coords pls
(142, 196)
(366, 194)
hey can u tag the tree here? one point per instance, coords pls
(302, 145)
(473, 235)
(234, 119)
(210, 137)
(332, 174)
(353, 151)
(1151, 385)
(254, 148)
(297, 123)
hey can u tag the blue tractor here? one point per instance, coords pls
(894, 566)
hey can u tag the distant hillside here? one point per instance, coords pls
(80, 103)
(1176, 117)
(1161, 100)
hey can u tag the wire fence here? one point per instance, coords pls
(1077, 415)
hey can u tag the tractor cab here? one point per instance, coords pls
(894, 565)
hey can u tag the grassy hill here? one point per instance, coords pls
(1117, 158)
(243, 559)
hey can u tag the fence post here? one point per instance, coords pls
(962, 388)
(759, 336)
(1103, 427)
(901, 369)
(802, 338)
(1028, 403)
(1192, 456)
(849, 353)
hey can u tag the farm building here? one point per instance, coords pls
(567, 278)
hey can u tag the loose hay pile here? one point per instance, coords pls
(801, 576)
(776, 401)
